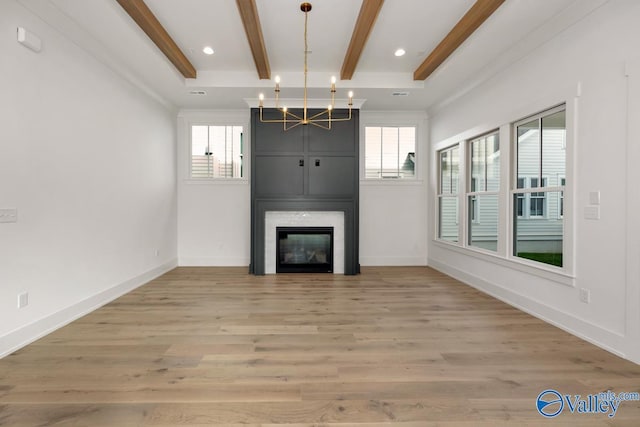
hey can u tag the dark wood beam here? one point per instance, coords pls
(366, 19)
(146, 20)
(251, 22)
(479, 12)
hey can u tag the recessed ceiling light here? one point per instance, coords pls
(208, 50)
(399, 52)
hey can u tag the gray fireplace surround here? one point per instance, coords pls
(310, 172)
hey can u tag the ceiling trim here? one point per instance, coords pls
(475, 16)
(146, 20)
(251, 22)
(366, 19)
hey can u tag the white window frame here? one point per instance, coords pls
(398, 173)
(393, 119)
(189, 118)
(454, 193)
(567, 236)
(566, 98)
(209, 126)
(475, 194)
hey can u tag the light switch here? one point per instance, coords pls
(594, 198)
(8, 215)
(592, 212)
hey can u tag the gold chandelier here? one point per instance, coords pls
(322, 119)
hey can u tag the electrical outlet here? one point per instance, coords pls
(23, 299)
(156, 252)
(8, 215)
(585, 295)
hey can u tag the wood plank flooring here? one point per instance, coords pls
(391, 347)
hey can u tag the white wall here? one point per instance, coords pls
(394, 215)
(214, 216)
(585, 67)
(89, 162)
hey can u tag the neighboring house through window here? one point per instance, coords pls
(216, 152)
(390, 152)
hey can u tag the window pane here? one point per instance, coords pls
(485, 164)
(445, 172)
(200, 159)
(236, 152)
(553, 147)
(390, 155)
(448, 229)
(407, 144)
(478, 164)
(540, 240)
(217, 145)
(528, 149)
(493, 162)
(455, 166)
(373, 152)
(483, 225)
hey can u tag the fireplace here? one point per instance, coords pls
(304, 250)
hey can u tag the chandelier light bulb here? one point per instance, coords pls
(277, 79)
(333, 80)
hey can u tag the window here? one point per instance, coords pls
(389, 152)
(216, 151)
(448, 194)
(540, 159)
(482, 195)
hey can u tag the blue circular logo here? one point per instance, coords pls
(549, 403)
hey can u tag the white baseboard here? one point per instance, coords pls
(372, 261)
(601, 337)
(213, 262)
(27, 334)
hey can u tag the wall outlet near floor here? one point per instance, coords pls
(23, 299)
(9, 215)
(585, 295)
(156, 252)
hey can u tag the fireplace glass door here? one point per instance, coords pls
(304, 250)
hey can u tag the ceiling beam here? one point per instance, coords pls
(368, 14)
(146, 20)
(251, 22)
(475, 16)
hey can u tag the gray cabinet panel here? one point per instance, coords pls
(340, 139)
(273, 138)
(278, 176)
(331, 176)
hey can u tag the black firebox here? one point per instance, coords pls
(304, 250)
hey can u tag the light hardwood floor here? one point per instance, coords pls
(390, 347)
